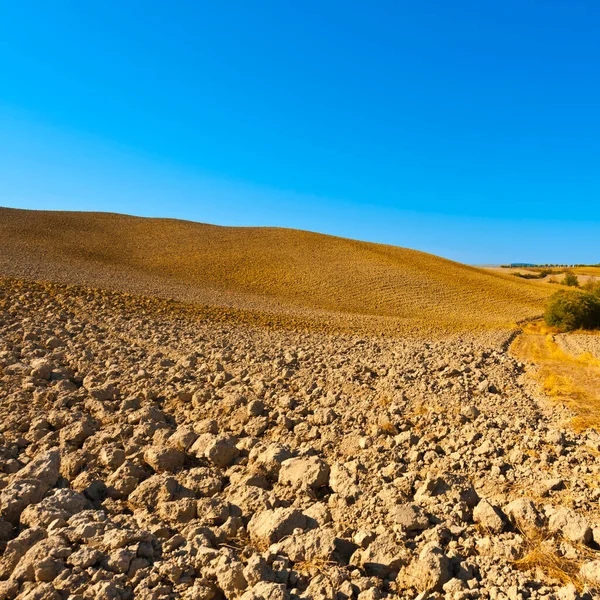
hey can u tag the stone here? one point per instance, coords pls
(268, 459)
(178, 512)
(112, 457)
(382, 557)
(567, 592)
(270, 526)
(62, 504)
(44, 467)
(41, 368)
(85, 557)
(574, 527)
(489, 517)
(265, 590)
(17, 496)
(16, 549)
(523, 514)
(428, 573)
(220, 450)
(309, 471)
(590, 572)
(313, 545)
(183, 438)
(410, 517)
(343, 482)
(155, 489)
(471, 412)
(164, 459)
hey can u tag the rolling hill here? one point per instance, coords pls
(272, 270)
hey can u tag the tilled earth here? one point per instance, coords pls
(145, 454)
(579, 344)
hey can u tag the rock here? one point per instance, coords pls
(270, 526)
(17, 496)
(483, 387)
(265, 590)
(213, 511)
(76, 433)
(85, 557)
(555, 437)
(370, 594)
(256, 408)
(10, 589)
(43, 561)
(312, 545)
(428, 573)
(268, 459)
(258, 570)
(119, 560)
(112, 457)
(62, 504)
(523, 514)
(472, 412)
(16, 549)
(410, 517)
(363, 538)
(163, 459)
(124, 480)
(573, 526)
(41, 368)
(309, 471)
(158, 488)
(183, 438)
(567, 592)
(249, 499)
(202, 481)
(382, 557)
(41, 591)
(229, 573)
(489, 517)
(343, 482)
(218, 449)
(590, 572)
(45, 468)
(178, 511)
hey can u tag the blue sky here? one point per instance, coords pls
(468, 129)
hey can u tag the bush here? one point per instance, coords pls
(571, 279)
(592, 286)
(571, 310)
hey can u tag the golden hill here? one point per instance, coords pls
(279, 271)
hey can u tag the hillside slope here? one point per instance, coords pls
(266, 269)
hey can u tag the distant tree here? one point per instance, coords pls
(571, 279)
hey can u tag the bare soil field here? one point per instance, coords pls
(584, 274)
(328, 280)
(581, 343)
(151, 451)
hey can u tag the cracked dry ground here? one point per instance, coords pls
(148, 453)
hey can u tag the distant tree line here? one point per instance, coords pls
(547, 266)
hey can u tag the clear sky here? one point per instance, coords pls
(470, 129)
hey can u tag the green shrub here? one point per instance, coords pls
(571, 310)
(571, 279)
(592, 286)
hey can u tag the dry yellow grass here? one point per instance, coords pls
(566, 378)
(587, 271)
(541, 554)
(264, 269)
